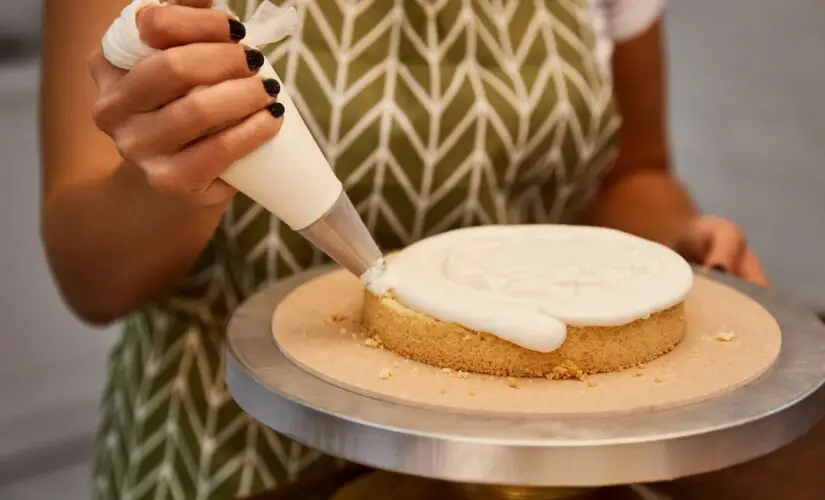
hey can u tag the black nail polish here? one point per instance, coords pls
(236, 30)
(272, 86)
(719, 268)
(277, 109)
(254, 59)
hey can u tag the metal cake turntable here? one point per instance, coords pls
(507, 456)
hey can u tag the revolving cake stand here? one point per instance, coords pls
(556, 439)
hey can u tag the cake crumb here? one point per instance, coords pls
(724, 336)
(639, 373)
(447, 370)
(354, 336)
(566, 370)
(371, 342)
(463, 375)
(385, 374)
(472, 393)
(338, 317)
(592, 383)
(343, 331)
(658, 380)
(512, 382)
(641, 366)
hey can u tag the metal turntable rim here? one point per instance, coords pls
(646, 446)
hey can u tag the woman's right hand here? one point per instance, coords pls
(184, 114)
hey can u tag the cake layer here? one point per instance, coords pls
(587, 350)
(529, 285)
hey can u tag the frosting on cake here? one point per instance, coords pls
(525, 284)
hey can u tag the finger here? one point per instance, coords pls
(200, 113)
(194, 169)
(217, 192)
(104, 74)
(168, 75)
(751, 270)
(170, 26)
(725, 248)
(201, 4)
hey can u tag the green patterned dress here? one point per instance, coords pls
(436, 114)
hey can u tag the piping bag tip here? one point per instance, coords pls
(342, 234)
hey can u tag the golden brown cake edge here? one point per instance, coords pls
(587, 350)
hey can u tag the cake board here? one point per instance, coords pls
(474, 448)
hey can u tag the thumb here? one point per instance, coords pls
(725, 248)
(203, 4)
(104, 74)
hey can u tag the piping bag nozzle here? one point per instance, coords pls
(341, 234)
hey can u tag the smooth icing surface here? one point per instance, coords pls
(525, 284)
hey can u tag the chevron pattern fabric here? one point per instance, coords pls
(436, 114)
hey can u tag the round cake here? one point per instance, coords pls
(530, 301)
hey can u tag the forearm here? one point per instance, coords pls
(115, 243)
(648, 203)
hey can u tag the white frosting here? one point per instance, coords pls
(525, 284)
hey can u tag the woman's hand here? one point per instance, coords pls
(717, 243)
(186, 113)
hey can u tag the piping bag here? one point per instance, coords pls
(288, 175)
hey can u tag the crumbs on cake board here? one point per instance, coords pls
(339, 317)
(385, 374)
(512, 382)
(335, 319)
(721, 336)
(724, 336)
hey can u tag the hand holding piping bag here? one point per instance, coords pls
(182, 98)
(197, 113)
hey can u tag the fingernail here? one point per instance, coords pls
(254, 59)
(277, 109)
(719, 268)
(272, 86)
(236, 30)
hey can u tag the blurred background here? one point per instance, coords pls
(748, 128)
